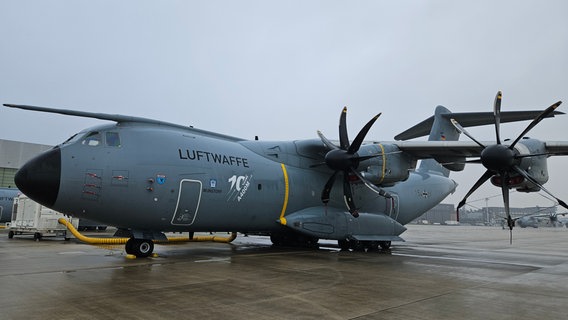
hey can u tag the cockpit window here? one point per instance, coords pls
(112, 139)
(72, 138)
(92, 139)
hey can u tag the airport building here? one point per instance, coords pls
(13, 154)
(440, 214)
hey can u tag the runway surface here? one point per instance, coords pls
(441, 272)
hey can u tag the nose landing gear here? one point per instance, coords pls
(141, 248)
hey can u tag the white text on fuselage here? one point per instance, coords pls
(199, 155)
(239, 187)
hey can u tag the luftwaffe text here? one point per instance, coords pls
(199, 155)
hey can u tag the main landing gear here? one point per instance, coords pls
(356, 245)
(292, 239)
(141, 248)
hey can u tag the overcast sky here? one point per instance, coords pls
(284, 69)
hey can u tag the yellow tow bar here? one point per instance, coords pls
(91, 240)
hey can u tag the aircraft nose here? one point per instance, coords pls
(40, 177)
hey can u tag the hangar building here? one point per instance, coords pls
(13, 154)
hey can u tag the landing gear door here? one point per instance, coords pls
(392, 207)
(188, 202)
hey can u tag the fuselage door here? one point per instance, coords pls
(188, 202)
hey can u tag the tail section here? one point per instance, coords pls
(442, 130)
(439, 128)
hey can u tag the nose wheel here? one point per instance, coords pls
(141, 248)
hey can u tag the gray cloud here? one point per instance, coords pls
(281, 70)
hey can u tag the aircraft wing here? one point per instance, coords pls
(437, 149)
(451, 149)
(119, 119)
(558, 148)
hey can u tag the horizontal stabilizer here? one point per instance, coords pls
(470, 119)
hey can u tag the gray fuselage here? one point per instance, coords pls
(179, 180)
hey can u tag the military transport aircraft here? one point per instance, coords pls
(147, 177)
(534, 220)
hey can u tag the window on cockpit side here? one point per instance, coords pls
(112, 139)
(71, 139)
(92, 139)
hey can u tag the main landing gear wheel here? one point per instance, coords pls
(289, 239)
(363, 246)
(141, 248)
(385, 245)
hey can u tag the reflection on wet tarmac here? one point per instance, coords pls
(441, 272)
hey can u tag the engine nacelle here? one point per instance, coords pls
(388, 167)
(536, 166)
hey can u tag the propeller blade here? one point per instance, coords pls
(521, 156)
(363, 158)
(361, 135)
(534, 181)
(327, 189)
(479, 182)
(343, 136)
(325, 141)
(348, 195)
(345, 158)
(505, 192)
(511, 224)
(370, 185)
(497, 115)
(462, 130)
(319, 164)
(538, 119)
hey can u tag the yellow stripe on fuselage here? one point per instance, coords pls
(286, 194)
(384, 163)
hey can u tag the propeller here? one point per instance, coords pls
(503, 160)
(344, 158)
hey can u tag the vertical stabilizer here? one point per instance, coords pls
(442, 130)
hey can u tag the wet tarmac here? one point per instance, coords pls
(441, 272)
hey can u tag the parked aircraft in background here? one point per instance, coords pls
(537, 220)
(147, 177)
(559, 220)
(527, 221)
